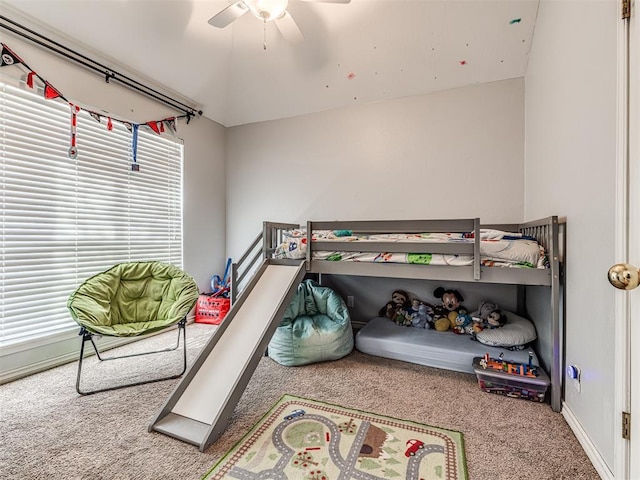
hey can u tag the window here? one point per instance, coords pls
(63, 219)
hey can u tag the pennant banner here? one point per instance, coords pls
(171, 124)
(156, 126)
(30, 79)
(7, 57)
(50, 93)
(73, 150)
(134, 148)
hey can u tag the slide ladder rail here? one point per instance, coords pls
(260, 249)
(199, 408)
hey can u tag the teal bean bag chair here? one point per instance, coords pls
(316, 327)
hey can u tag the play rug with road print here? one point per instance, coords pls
(305, 439)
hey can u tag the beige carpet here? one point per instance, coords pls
(48, 431)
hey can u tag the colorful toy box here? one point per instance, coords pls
(511, 379)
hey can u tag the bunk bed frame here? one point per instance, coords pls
(546, 231)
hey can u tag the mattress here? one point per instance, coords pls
(383, 338)
(497, 248)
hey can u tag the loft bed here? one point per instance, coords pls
(442, 250)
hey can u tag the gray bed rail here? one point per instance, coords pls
(262, 247)
(544, 230)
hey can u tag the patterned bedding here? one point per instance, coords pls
(497, 248)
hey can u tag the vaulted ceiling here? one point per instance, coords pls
(361, 52)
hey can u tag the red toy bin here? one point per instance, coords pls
(212, 310)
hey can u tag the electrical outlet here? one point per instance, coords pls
(350, 301)
(573, 372)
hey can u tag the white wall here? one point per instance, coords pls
(570, 170)
(455, 153)
(203, 189)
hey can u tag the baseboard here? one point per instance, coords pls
(70, 355)
(590, 449)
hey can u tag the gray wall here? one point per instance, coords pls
(453, 154)
(204, 196)
(570, 170)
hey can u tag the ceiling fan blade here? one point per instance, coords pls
(328, 1)
(227, 15)
(289, 28)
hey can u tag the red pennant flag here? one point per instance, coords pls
(154, 126)
(109, 124)
(49, 92)
(30, 79)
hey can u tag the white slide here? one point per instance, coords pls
(200, 406)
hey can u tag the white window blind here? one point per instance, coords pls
(65, 219)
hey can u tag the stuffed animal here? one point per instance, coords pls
(488, 316)
(396, 309)
(423, 317)
(449, 310)
(464, 324)
(484, 309)
(496, 319)
(442, 324)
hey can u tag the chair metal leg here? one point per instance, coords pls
(88, 336)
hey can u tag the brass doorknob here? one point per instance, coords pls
(624, 276)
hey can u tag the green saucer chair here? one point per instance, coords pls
(131, 300)
(316, 327)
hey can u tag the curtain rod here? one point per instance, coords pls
(108, 73)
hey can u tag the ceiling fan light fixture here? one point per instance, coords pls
(267, 9)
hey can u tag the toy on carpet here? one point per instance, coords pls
(445, 315)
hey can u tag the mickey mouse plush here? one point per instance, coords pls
(489, 316)
(449, 309)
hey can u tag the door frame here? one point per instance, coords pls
(627, 238)
(634, 234)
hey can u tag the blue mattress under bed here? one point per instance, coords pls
(383, 338)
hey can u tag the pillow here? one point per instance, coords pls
(517, 331)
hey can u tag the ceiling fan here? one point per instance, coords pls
(265, 10)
